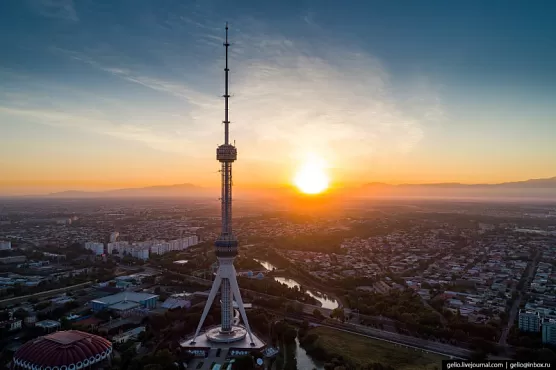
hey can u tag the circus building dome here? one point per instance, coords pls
(64, 350)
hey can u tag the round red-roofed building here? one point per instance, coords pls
(64, 350)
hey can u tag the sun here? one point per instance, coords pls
(311, 177)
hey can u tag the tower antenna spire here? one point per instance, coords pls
(226, 93)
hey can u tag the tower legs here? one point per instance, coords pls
(215, 285)
(237, 295)
(226, 274)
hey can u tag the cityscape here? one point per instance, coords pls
(390, 203)
(427, 280)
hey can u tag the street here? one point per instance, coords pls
(515, 307)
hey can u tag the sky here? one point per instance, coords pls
(127, 93)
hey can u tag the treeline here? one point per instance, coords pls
(246, 263)
(414, 318)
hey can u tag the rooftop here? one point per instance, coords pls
(47, 324)
(123, 306)
(125, 296)
(63, 349)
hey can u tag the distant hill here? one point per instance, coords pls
(151, 191)
(530, 184)
(534, 188)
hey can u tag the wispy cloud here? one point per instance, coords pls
(61, 9)
(289, 98)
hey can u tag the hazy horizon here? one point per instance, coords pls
(402, 93)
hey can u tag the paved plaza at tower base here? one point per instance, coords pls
(241, 343)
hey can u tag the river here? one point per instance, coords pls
(302, 359)
(267, 265)
(325, 301)
(304, 362)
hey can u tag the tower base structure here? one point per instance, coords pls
(239, 340)
(212, 340)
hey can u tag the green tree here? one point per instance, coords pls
(318, 314)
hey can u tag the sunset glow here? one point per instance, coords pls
(138, 102)
(311, 177)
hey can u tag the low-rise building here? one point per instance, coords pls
(48, 325)
(124, 301)
(5, 245)
(128, 335)
(12, 324)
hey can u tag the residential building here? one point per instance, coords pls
(5, 245)
(529, 321)
(549, 331)
(97, 248)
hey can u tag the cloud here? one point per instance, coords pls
(61, 9)
(100, 123)
(290, 98)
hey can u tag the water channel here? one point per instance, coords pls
(304, 361)
(325, 301)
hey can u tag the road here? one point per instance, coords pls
(532, 267)
(48, 293)
(394, 338)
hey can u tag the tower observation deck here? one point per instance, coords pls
(226, 249)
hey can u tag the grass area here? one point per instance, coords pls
(362, 351)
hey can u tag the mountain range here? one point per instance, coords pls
(532, 187)
(150, 191)
(547, 183)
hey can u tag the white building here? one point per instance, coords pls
(114, 236)
(11, 325)
(142, 253)
(529, 321)
(120, 247)
(144, 249)
(130, 334)
(549, 331)
(193, 240)
(97, 248)
(5, 245)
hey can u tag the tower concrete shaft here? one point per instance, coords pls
(226, 246)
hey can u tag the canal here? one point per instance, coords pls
(325, 301)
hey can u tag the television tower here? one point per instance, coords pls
(226, 247)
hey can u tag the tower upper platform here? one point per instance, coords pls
(226, 246)
(226, 153)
